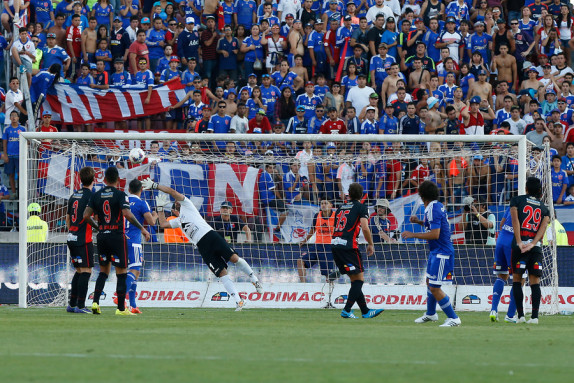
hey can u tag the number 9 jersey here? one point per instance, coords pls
(531, 212)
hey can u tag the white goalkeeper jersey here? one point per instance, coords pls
(191, 222)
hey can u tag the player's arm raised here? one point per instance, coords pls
(133, 220)
(160, 202)
(368, 236)
(148, 184)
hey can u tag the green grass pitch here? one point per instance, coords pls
(210, 345)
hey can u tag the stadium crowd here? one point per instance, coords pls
(359, 67)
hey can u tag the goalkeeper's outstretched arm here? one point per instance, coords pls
(148, 184)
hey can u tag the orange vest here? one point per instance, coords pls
(324, 228)
(173, 235)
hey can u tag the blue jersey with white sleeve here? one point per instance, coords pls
(143, 79)
(436, 218)
(138, 208)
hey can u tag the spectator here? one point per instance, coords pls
(479, 223)
(559, 180)
(14, 101)
(11, 150)
(229, 225)
(209, 40)
(23, 53)
(138, 52)
(383, 223)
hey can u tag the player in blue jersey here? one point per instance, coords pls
(42, 81)
(502, 268)
(143, 214)
(440, 264)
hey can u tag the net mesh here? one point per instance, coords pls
(252, 176)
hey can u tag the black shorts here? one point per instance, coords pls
(83, 255)
(531, 261)
(112, 247)
(348, 260)
(215, 252)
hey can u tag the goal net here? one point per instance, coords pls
(262, 192)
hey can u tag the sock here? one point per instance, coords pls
(74, 290)
(518, 298)
(511, 305)
(355, 293)
(83, 289)
(121, 291)
(497, 290)
(230, 287)
(362, 303)
(536, 295)
(100, 283)
(245, 268)
(446, 306)
(431, 303)
(131, 285)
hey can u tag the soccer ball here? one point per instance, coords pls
(137, 155)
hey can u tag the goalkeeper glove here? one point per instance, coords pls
(161, 201)
(148, 184)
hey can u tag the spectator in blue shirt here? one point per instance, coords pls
(155, 40)
(228, 48)
(11, 149)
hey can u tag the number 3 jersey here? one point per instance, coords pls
(531, 212)
(107, 204)
(348, 224)
(191, 222)
(80, 231)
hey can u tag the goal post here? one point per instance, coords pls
(48, 174)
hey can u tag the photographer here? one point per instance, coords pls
(479, 223)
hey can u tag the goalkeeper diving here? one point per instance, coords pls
(214, 250)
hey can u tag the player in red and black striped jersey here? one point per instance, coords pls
(350, 218)
(530, 218)
(111, 206)
(80, 242)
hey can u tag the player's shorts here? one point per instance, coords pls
(113, 247)
(440, 268)
(503, 258)
(215, 252)
(83, 255)
(135, 254)
(12, 166)
(318, 254)
(347, 260)
(530, 261)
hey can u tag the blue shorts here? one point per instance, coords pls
(318, 254)
(135, 255)
(440, 269)
(502, 256)
(12, 166)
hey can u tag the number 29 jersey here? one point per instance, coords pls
(348, 224)
(191, 222)
(531, 212)
(108, 203)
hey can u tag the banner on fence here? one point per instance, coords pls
(76, 104)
